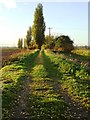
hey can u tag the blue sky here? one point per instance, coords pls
(68, 18)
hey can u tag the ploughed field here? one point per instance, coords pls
(45, 85)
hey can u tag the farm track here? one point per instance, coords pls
(21, 110)
(75, 111)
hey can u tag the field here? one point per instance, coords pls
(45, 85)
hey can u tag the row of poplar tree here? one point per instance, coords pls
(35, 37)
(36, 34)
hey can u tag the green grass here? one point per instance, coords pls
(46, 108)
(13, 76)
(84, 52)
(44, 102)
(75, 78)
(39, 71)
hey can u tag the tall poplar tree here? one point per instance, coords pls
(28, 38)
(20, 43)
(38, 28)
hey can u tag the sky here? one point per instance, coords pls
(65, 18)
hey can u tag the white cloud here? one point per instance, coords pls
(9, 3)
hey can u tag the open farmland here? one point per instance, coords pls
(43, 85)
(85, 52)
(8, 55)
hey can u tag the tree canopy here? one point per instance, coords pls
(35, 37)
(28, 38)
(50, 41)
(20, 43)
(38, 28)
(64, 43)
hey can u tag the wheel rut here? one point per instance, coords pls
(75, 110)
(20, 112)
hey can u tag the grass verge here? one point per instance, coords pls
(13, 76)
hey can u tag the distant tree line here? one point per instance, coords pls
(82, 47)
